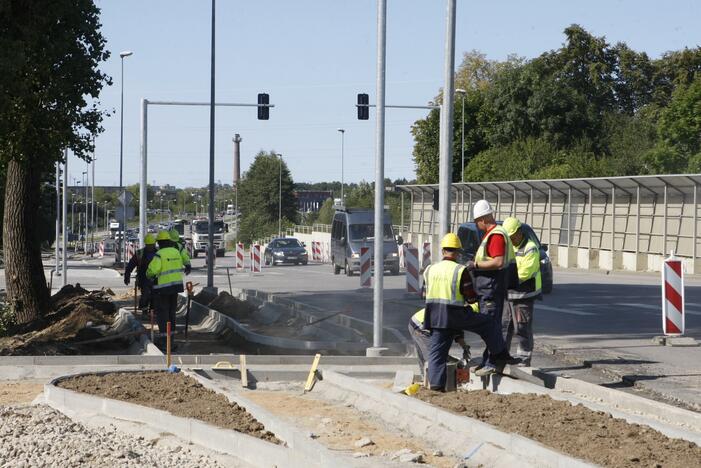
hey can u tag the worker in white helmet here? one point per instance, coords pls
(494, 263)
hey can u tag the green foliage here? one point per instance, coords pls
(259, 197)
(680, 122)
(326, 212)
(8, 320)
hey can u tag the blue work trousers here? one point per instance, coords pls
(442, 339)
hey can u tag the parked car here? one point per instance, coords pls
(471, 238)
(285, 250)
(353, 229)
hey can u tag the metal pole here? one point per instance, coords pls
(590, 216)
(569, 216)
(693, 247)
(664, 223)
(143, 185)
(122, 241)
(613, 220)
(343, 137)
(446, 131)
(378, 283)
(210, 249)
(279, 200)
(462, 144)
(58, 213)
(550, 216)
(92, 200)
(87, 195)
(637, 221)
(401, 214)
(65, 217)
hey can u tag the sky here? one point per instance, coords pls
(313, 57)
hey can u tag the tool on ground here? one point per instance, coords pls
(228, 274)
(244, 371)
(188, 287)
(346, 309)
(168, 343)
(311, 378)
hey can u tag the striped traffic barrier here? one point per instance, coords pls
(255, 258)
(239, 256)
(365, 268)
(673, 296)
(316, 251)
(426, 257)
(101, 249)
(411, 260)
(326, 256)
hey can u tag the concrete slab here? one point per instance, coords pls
(681, 341)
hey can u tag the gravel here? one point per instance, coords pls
(41, 436)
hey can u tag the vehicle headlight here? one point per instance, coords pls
(279, 254)
(304, 254)
(355, 255)
(394, 254)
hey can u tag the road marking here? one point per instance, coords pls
(565, 311)
(655, 308)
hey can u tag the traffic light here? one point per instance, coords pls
(363, 109)
(436, 199)
(263, 111)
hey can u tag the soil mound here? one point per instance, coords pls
(204, 297)
(232, 306)
(178, 394)
(576, 430)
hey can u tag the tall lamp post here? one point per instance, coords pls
(279, 203)
(85, 234)
(462, 92)
(122, 242)
(343, 134)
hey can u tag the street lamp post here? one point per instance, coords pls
(279, 203)
(343, 134)
(122, 56)
(85, 234)
(462, 133)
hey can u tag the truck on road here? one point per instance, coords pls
(199, 232)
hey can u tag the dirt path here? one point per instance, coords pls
(176, 393)
(576, 430)
(339, 427)
(19, 391)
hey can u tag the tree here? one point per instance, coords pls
(49, 56)
(259, 196)
(326, 212)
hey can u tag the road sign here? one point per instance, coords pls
(125, 198)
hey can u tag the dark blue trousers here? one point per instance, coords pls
(442, 339)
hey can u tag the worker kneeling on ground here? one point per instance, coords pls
(422, 338)
(447, 285)
(140, 260)
(166, 270)
(523, 291)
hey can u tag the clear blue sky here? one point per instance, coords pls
(312, 57)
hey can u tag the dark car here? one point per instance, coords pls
(285, 250)
(471, 238)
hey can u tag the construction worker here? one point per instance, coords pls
(166, 271)
(422, 338)
(140, 260)
(518, 317)
(180, 245)
(448, 283)
(494, 263)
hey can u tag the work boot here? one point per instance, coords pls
(505, 358)
(485, 371)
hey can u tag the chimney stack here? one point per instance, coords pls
(237, 158)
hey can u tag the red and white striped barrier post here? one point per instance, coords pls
(316, 251)
(255, 258)
(101, 249)
(239, 256)
(426, 257)
(365, 268)
(673, 296)
(411, 260)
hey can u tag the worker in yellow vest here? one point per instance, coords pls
(448, 283)
(522, 293)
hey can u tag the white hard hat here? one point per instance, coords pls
(481, 208)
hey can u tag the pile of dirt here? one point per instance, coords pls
(178, 394)
(77, 315)
(575, 430)
(229, 305)
(204, 297)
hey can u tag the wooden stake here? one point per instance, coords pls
(312, 374)
(168, 344)
(244, 371)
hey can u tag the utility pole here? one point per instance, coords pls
(378, 283)
(123, 241)
(445, 175)
(87, 186)
(65, 216)
(463, 93)
(92, 201)
(343, 134)
(210, 234)
(58, 214)
(279, 202)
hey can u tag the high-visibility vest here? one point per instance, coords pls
(481, 254)
(442, 282)
(528, 265)
(166, 268)
(418, 318)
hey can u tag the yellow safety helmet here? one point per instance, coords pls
(163, 235)
(174, 235)
(451, 241)
(511, 225)
(150, 239)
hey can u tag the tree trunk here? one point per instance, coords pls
(26, 286)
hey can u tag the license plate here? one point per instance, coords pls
(292, 258)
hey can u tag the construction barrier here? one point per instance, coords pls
(131, 250)
(673, 296)
(316, 251)
(365, 268)
(255, 258)
(411, 260)
(426, 257)
(239, 256)
(189, 248)
(101, 249)
(326, 255)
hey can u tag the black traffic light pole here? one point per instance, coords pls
(364, 105)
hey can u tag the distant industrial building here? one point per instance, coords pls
(311, 200)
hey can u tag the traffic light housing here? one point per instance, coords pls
(363, 108)
(263, 110)
(436, 199)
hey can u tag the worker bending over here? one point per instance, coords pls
(166, 270)
(522, 293)
(140, 260)
(447, 284)
(493, 265)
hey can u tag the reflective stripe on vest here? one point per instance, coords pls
(528, 248)
(418, 319)
(443, 283)
(481, 254)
